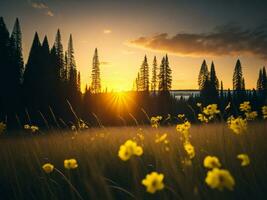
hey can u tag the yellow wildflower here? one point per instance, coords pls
(31, 128)
(211, 110)
(2, 127)
(48, 168)
(34, 129)
(211, 162)
(183, 127)
(155, 121)
(251, 115)
(70, 163)
(153, 182)
(244, 159)
(264, 112)
(27, 126)
(83, 125)
(190, 150)
(220, 179)
(124, 153)
(161, 138)
(202, 118)
(245, 106)
(128, 149)
(181, 116)
(237, 125)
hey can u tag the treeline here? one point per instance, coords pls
(46, 90)
(212, 91)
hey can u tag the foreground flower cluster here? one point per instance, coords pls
(128, 149)
(216, 177)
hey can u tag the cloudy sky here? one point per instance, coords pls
(124, 31)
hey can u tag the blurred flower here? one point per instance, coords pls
(153, 182)
(155, 121)
(31, 128)
(48, 168)
(34, 129)
(124, 153)
(82, 124)
(27, 126)
(161, 138)
(181, 116)
(199, 104)
(211, 162)
(202, 118)
(264, 112)
(183, 127)
(70, 163)
(128, 149)
(244, 159)
(2, 127)
(211, 110)
(251, 115)
(73, 128)
(220, 179)
(190, 150)
(237, 125)
(245, 106)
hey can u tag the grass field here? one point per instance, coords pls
(102, 175)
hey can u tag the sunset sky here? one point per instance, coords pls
(124, 31)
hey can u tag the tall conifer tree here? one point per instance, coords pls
(96, 81)
(154, 80)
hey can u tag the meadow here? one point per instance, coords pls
(102, 175)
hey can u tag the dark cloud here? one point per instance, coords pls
(230, 39)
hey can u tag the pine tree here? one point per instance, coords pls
(203, 75)
(32, 75)
(154, 75)
(168, 75)
(259, 82)
(96, 81)
(144, 76)
(237, 77)
(4, 58)
(165, 75)
(60, 56)
(161, 76)
(264, 80)
(213, 84)
(17, 38)
(137, 82)
(71, 67)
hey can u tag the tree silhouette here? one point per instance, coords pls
(17, 38)
(71, 67)
(60, 57)
(144, 76)
(213, 84)
(237, 77)
(165, 75)
(203, 75)
(154, 79)
(96, 81)
(4, 67)
(31, 74)
(260, 81)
